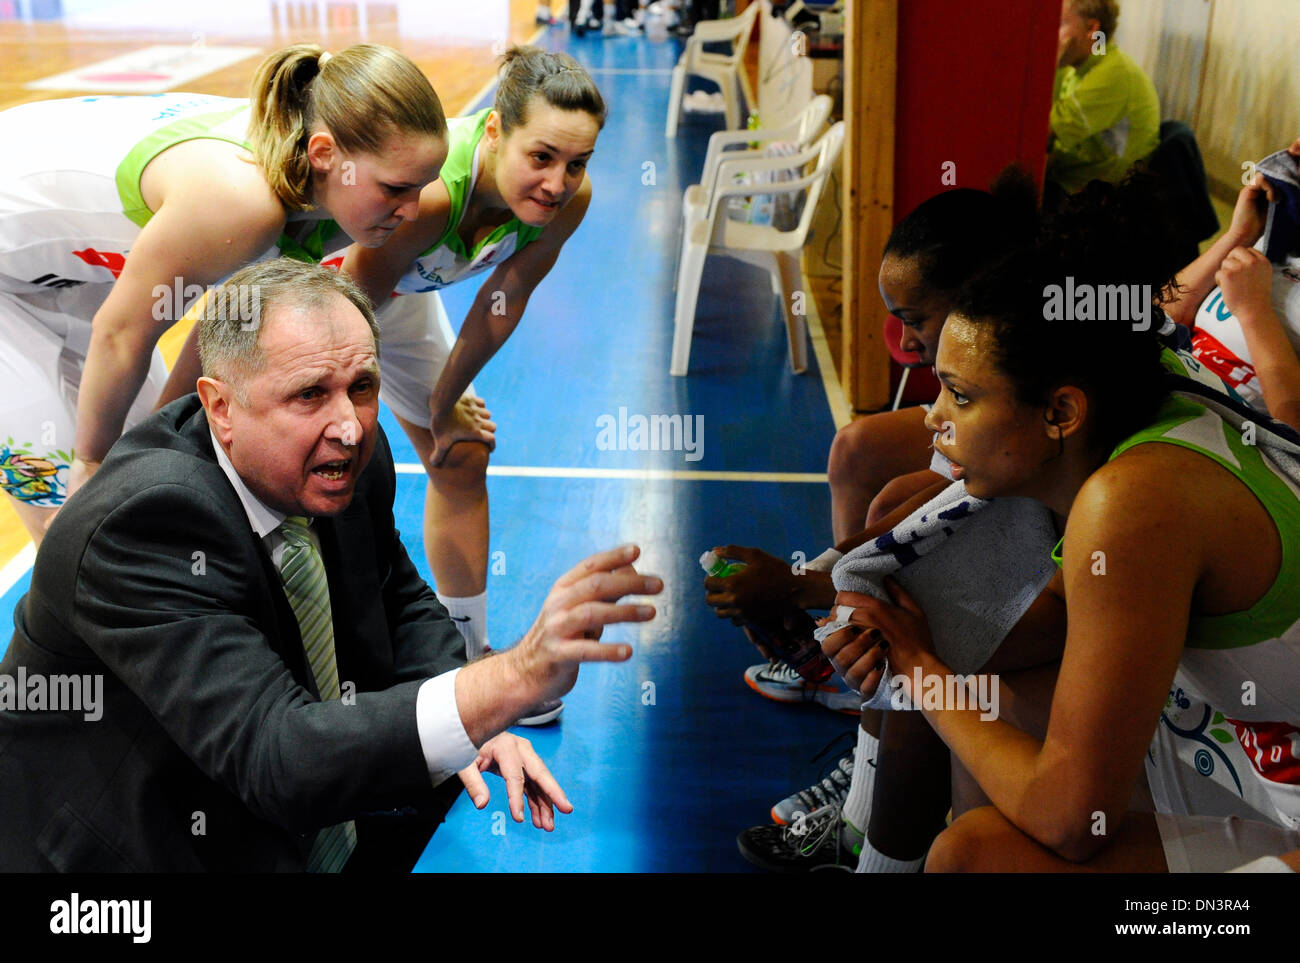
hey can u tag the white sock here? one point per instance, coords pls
(470, 615)
(873, 860)
(857, 806)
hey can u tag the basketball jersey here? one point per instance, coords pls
(449, 261)
(1228, 740)
(70, 201)
(1218, 342)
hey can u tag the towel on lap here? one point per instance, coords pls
(974, 567)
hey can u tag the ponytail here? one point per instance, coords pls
(528, 72)
(361, 95)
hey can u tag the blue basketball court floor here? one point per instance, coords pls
(665, 757)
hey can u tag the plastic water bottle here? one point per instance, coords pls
(795, 646)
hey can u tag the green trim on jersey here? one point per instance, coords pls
(1179, 363)
(457, 173)
(1279, 608)
(310, 248)
(132, 167)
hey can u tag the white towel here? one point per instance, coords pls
(973, 565)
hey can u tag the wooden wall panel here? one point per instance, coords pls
(870, 42)
(933, 88)
(1227, 67)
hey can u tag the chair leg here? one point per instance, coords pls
(728, 86)
(751, 102)
(902, 383)
(794, 308)
(675, 99)
(688, 294)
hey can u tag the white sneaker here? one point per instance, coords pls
(834, 789)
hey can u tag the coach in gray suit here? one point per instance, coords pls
(277, 680)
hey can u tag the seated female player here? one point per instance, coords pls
(1243, 305)
(929, 254)
(1181, 552)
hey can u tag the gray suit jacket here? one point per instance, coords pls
(213, 752)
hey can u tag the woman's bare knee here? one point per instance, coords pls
(850, 453)
(960, 847)
(868, 452)
(465, 466)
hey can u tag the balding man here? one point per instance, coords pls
(1105, 111)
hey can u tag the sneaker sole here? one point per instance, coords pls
(792, 696)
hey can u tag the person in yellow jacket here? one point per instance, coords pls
(1105, 112)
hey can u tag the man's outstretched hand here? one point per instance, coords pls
(581, 603)
(492, 694)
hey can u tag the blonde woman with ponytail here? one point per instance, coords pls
(116, 211)
(513, 190)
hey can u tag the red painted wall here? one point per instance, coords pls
(975, 88)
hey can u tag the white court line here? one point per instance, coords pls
(17, 567)
(524, 471)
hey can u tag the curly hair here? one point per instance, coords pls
(1106, 237)
(953, 234)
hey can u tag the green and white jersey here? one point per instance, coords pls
(1228, 740)
(448, 261)
(70, 201)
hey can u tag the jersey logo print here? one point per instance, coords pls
(1273, 749)
(105, 259)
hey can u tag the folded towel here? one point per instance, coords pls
(973, 565)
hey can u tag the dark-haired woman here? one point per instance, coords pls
(113, 208)
(931, 251)
(513, 190)
(1180, 561)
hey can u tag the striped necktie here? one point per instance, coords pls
(307, 588)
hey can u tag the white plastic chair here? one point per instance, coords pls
(800, 132)
(725, 70)
(762, 245)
